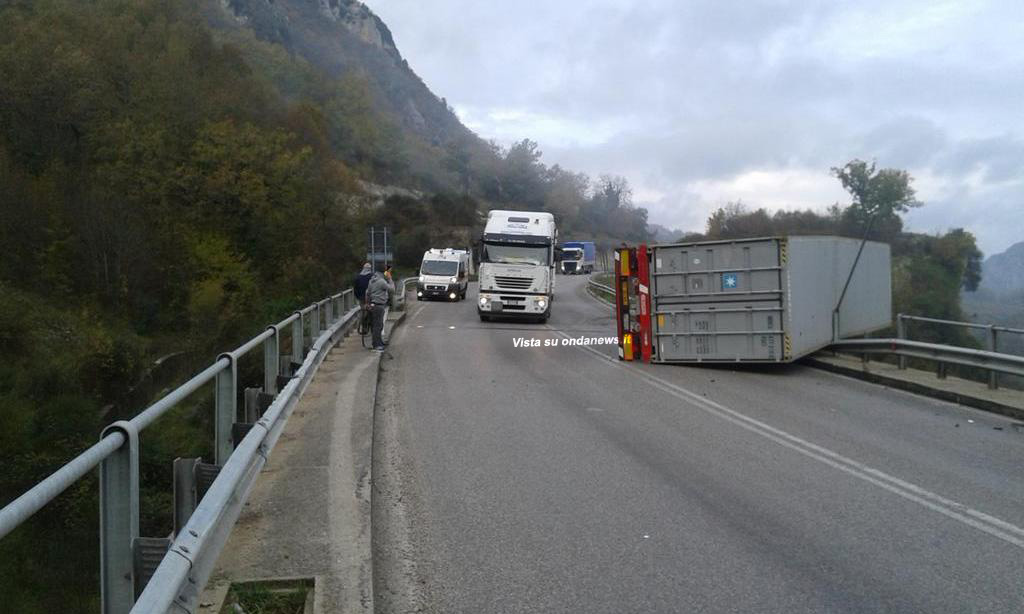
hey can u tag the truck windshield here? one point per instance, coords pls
(515, 254)
(439, 267)
(571, 254)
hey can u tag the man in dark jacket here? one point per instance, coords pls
(378, 295)
(361, 282)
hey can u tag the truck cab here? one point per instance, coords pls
(517, 265)
(444, 273)
(578, 258)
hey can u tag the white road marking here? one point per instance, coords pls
(996, 527)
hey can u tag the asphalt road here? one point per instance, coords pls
(557, 479)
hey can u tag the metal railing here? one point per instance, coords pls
(400, 291)
(943, 354)
(595, 285)
(202, 522)
(991, 339)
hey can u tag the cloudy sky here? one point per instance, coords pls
(702, 103)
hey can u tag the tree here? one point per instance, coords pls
(457, 161)
(879, 196)
(566, 195)
(522, 174)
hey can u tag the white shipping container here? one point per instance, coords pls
(764, 300)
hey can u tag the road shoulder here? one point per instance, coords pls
(308, 515)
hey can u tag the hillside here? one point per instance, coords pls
(339, 36)
(416, 140)
(1000, 297)
(1004, 272)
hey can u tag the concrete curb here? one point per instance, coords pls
(388, 333)
(943, 395)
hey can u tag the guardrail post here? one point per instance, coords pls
(941, 370)
(993, 346)
(271, 360)
(314, 323)
(901, 333)
(226, 408)
(297, 333)
(184, 472)
(119, 521)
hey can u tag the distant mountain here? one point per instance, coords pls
(339, 36)
(1004, 272)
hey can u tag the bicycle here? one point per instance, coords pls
(365, 324)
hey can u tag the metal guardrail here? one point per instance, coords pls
(202, 523)
(601, 287)
(943, 354)
(991, 339)
(401, 290)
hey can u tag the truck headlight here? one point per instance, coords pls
(452, 280)
(484, 300)
(542, 303)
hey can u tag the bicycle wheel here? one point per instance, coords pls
(365, 322)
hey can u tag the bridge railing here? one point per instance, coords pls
(991, 338)
(401, 289)
(202, 521)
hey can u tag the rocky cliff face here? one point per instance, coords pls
(345, 35)
(358, 19)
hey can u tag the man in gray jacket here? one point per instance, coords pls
(378, 295)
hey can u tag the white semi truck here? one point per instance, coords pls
(517, 265)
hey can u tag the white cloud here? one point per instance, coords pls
(774, 189)
(699, 103)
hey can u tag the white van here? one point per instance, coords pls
(444, 273)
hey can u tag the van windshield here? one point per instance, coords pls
(515, 254)
(439, 267)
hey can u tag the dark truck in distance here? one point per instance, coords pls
(578, 257)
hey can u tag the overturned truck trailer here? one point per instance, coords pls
(751, 300)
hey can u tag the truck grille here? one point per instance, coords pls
(568, 267)
(513, 283)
